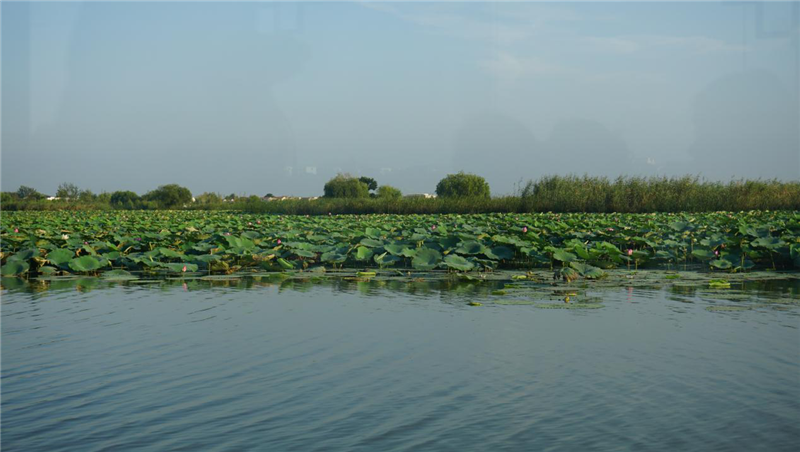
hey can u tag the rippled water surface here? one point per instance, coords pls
(345, 365)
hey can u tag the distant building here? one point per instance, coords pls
(52, 198)
(420, 195)
(287, 198)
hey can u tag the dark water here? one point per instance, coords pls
(96, 366)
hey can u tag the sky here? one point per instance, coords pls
(258, 97)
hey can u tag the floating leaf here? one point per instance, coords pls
(14, 267)
(426, 259)
(85, 264)
(458, 262)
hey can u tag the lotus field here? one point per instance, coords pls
(574, 245)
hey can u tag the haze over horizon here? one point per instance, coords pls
(256, 98)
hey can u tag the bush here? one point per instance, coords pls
(389, 192)
(29, 193)
(124, 200)
(67, 191)
(462, 185)
(344, 186)
(171, 195)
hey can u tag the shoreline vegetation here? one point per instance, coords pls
(458, 194)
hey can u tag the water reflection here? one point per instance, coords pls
(444, 287)
(314, 362)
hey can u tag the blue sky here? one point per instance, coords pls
(264, 97)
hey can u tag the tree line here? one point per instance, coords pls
(456, 193)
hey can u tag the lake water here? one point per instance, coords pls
(404, 365)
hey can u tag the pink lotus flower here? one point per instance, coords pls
(630, 252)
(329, 214)
(259, 221)
(16, 230)
(249, 223)
(610, 229)
(279, 241)
(184, 269)
(433, 228)
(85, 243)
(524, 229)
(716, 252)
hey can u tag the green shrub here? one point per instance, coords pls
(389, 192)
(168, 196)
(462, 185)
(344, 186)
(124, 200)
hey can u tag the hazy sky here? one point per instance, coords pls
(252, 98)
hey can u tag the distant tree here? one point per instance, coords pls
(208, 199)
(87, 196)
(68, 191)
(230, 197)
(462, 185)
(124, 200)
(104, 197)
(28, 193)
(171, 195)
(371, 183)
(389, 192)
(269, 195)
(346, 186)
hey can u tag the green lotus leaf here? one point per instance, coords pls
(395, 249)
(60, 256)
(372, 243)
(721, 264)
(178, 267)
(470, 247)
(15, 267)
(24, 255)
(119, 275)
(426, 259)
(304, 253)
(333, 257)
(564, 256)
(458, 262)
(48, 270)
(166, 252)
(770, 243)
(363, 253)
(386, 259)
(408, 252)
(587, 271)
(500, 253)
(703, 254)
(85, 264)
